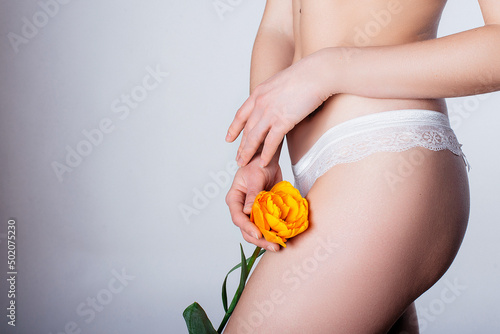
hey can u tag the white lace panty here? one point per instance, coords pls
(389, 131)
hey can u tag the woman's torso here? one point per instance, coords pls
(357, 23)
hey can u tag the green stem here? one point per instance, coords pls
(253, 257)
(238, 292)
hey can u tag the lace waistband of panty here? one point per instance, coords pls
(393, 131)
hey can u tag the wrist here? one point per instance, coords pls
(330, 66)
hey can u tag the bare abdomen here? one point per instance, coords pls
(347, 23)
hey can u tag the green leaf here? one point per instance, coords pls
(250, 262)
(256, 253)
(197, 320)
(246, 267)
(244, 271)
(224, 290)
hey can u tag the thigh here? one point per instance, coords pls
(373, 246)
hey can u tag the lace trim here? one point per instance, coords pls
(335, 147)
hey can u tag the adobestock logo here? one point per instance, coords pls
(122, 107)
(373, 28)
(404, 168)
(292, 279)
(203, 195)
(380, 20)
(448, 295)
(89, 309)
(127, 102)
(31, 27)
(74, 157)
(224, 6)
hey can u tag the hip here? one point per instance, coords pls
(341, 108)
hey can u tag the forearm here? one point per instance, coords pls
(463, 64)
(272, 52)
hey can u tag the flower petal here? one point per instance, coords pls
(286, 187)
(293, 207)
(275, 223)
(272, 237)
(258, 219)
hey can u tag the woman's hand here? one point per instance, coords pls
(247, 183)
(275, 107)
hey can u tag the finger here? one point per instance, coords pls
(252, 143)
(271, 145)
(235, 200)
(253, 191)
(278, 177)
(242, 143)
(252, 121)
(249, 231)
(240, 120)
(248, 204)
(263, 243)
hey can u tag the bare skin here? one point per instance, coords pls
(373, 247)
(321, 24)
(456, 65)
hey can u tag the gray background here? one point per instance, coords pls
(120, 208)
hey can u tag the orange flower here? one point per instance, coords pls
(280, 213)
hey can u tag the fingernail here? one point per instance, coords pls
(228, 136)
(256, 236)
(240, 161)
(271, 248)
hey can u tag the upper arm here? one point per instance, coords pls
(278, 16)
(491, 11)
